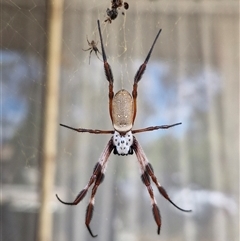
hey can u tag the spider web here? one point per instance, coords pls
(190, 78)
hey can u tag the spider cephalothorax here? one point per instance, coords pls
(123, 109)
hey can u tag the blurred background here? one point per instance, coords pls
(192, 77)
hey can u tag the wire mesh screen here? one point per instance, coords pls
(192, 77)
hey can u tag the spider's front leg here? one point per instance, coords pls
(108, 72)
(96, 178)
(140, 73)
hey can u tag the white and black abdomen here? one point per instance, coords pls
(123, 143)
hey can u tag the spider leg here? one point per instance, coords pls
(161, 189)
(156, 213)
(86, 49)
(153, 128)
(97, 177)
(82, 194)
(149, 170)
(108, 72)
(90, 55)
(139, 75)
(90, 207)
(142, 68)
(147, 182)
(92, 131)
(97, 51)
(88, 41)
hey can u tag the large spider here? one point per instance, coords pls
(122, 108)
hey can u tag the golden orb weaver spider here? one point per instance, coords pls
(122, 108)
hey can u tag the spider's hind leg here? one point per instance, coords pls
(156, 213)
(90, 207)
(161, 189)
(101, 165)
(96, 178)
(147, 173)
(147, 182)
(147, 167)
(96, 172)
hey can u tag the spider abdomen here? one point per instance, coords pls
(123, 143)
(122, 111)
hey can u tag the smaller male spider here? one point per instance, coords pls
(93, 47)
(122, 109)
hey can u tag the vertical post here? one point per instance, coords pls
(50, 121)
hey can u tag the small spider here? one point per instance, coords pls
(123, 109)
(113, 12)
(93, 47)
